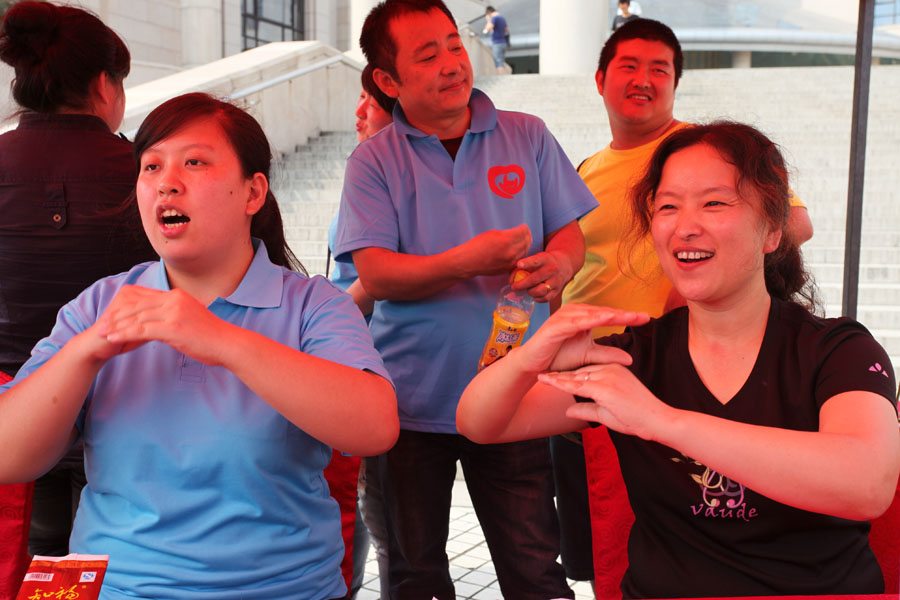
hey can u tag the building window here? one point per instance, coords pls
(267, 21)
(887, 12)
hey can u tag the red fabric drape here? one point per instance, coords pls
(342, 475)
(611, 516)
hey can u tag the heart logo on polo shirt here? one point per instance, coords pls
(506, 181)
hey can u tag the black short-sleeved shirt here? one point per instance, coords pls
(698, 533)
(63, 182)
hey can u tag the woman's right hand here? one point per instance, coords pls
(564, 342)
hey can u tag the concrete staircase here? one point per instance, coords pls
(308, 185)
(806, 110)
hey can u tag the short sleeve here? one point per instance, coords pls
(335, 330)
(794, 200)
(70, 321)
(367, 217)
(566, 197)
(853, 361)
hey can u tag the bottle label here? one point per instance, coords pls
(510, 325)
(508, 337)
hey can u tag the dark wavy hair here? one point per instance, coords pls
(762, 169)
(57, 51)
(642, 29)
(368, 84)
(249, 143)
(376, 41)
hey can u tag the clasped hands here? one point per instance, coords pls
(138, 315)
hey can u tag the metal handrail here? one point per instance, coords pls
(340, 58)
(293, 74)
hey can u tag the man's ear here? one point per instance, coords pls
(259, 188)
(385, 83)
(598, 77)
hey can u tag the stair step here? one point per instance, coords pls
(812, 129)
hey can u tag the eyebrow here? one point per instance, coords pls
(425, 46)
(652, 62)
(432, 45)
(716, 189)
(193, 146)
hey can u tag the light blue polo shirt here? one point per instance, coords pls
(196, 487)
(343, 274)
(403, 192)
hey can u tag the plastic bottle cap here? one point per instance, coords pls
(519, 275)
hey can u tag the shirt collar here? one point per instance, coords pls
(484, 116)
(261, 287)
(34, 120)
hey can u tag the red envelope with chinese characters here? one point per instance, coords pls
(72, 577)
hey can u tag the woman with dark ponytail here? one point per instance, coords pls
(64, 220)
(755, 439)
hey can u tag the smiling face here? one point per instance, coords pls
(434, 76)
(638, 87)
(195, 203)
(370, 117)
(710, 236)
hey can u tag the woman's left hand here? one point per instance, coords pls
(138, 315)
(620, 401)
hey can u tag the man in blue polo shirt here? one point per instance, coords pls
(437, 210)
(495, 24)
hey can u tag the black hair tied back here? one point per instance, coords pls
(28, 35)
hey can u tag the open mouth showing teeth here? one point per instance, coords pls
(693, 257)
(172, 218)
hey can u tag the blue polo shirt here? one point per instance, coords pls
(197, 488)
(343, 274)
(403, 192)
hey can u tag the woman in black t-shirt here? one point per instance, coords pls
(755, 439)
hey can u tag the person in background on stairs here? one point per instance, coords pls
(495, 24)
(354, 481)
(437, 211)
(638, 72)
(755, 439)
(65, 178)
(623, 15)
(634, 7)
(209, 386)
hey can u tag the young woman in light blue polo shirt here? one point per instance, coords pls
(208, 387)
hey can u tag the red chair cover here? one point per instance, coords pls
(885, 541)
(611, 516)
(15, 518)
(342, 475)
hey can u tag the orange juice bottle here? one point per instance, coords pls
(511, 319)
